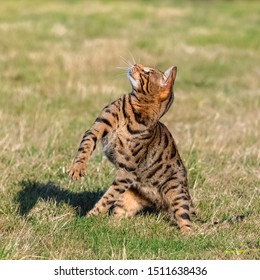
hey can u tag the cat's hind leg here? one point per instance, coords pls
(117, 188)
(104, 203)
(130, 203)
(120, 185)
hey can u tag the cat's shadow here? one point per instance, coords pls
(32, 191)
(82, 202)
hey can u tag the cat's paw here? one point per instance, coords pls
(187, 230)
(76, 171)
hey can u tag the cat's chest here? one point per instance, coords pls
(120, 146)
(113, 143)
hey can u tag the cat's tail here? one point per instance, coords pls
(229, 221)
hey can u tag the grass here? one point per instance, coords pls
(57, 71)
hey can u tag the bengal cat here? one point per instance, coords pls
(149, 170)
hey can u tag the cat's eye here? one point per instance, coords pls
(149, 71)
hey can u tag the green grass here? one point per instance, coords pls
(57, 71)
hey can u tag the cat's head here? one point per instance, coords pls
(153, 85)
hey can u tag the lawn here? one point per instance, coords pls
(58, 69)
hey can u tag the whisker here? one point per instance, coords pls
(122, 68)
(132, 57)
(126, 62)
(120, 74)
(124, 71)
(117, 75)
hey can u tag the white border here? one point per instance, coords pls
(46, 270)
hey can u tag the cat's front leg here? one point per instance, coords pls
(101, 127)
(86, 147)
(180, 208)
(177, 201)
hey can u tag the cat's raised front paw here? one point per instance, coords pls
(76, 171)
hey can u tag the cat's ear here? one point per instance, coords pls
(169, 78)
(170, 74)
